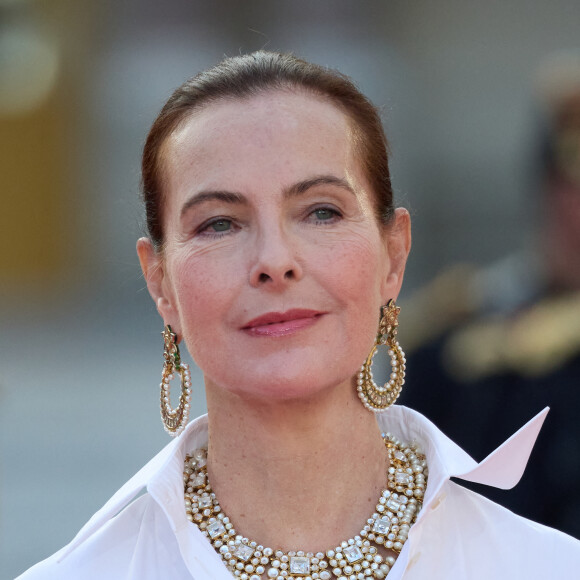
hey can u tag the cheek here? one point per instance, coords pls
(359, 268)
(355, 279)
(202, 286)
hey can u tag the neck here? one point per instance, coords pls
(300, 474)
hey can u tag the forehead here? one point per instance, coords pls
(274, 133)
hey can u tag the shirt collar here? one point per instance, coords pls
(502, 468)
(162, 476)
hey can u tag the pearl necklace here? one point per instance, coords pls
(353, 559)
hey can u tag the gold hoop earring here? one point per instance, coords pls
(174, 420)
(378, 398)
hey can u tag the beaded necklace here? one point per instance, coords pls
(355, 559)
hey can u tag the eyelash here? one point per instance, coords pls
(336, 214)
(205, 228)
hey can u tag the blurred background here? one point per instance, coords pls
(80, 83)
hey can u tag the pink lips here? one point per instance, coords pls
(282, 323)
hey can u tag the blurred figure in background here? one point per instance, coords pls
(488, 348)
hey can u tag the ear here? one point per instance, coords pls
(397, 238)
(154, 273)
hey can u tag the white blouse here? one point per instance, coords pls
(458, 534)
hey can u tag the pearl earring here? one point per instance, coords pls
(374, 397)
(174, 420)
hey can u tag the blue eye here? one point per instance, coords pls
(216, 227)
(324, 213)
(220, 225)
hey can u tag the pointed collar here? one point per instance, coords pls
(503, 468)
(162, 476)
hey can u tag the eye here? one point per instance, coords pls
(216, 227)
(220, 225)
(324, 214)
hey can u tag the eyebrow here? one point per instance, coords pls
(204, 196)
(296, 189)
(303, 186)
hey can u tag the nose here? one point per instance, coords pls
(276, 262)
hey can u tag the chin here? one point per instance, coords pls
(297, 388)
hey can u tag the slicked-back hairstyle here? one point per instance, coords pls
(245, 76)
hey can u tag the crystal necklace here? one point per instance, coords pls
(355, 559)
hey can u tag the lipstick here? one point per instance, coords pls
(275, 324)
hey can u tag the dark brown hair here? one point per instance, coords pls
(244, 76)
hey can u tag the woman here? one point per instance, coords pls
(273, 249)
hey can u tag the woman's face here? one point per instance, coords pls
(274, 267)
